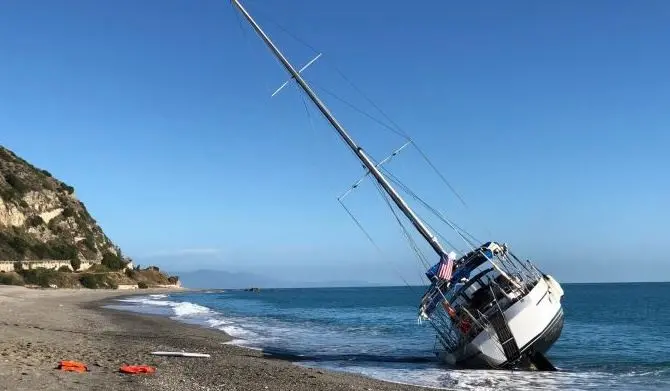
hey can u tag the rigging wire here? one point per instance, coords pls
(395, 128)
(360, 226)
(360, 111)
(435, 212)
(388, 173)
(438, 233)
(395, 180)
(239, 22)
(399, 132)
(409, 237)
(444, 238)
(425, 222)
(460, 231)
(418, 149)
(381, 252)
(284, 29)
(309, 116)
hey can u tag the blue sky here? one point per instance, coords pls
(549, 118)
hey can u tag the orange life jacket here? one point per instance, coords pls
(135, 369)
(72, 366)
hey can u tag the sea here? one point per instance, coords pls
(616, 336)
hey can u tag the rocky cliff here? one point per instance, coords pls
(41, 218)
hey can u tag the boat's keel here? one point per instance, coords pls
(536, 361)
(540, 362)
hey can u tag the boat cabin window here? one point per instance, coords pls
(475, 294)
(478, 280)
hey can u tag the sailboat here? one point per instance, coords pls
(489, 308)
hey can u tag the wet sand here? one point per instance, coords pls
(38, 328)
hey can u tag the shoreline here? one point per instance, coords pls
(42, 327)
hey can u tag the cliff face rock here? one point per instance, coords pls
(41, 218)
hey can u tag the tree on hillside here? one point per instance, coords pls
(75, 263)
(113, 262)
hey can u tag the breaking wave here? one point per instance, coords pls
(188, 312)
(352, 331)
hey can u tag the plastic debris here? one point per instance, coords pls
(136, 369)
(180, 354)
(72, 366)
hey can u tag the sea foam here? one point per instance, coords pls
(193, 313)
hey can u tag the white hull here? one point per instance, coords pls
(535, 322)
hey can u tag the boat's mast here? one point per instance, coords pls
(420, 226)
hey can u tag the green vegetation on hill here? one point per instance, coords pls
(113, 261)
(11, 279)
(96, 277)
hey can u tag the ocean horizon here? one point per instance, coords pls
(382, 285)
(198, 285)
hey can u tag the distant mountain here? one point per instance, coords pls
(221, 279)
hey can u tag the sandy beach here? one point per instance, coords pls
(38, 328)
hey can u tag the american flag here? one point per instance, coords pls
(444, 272)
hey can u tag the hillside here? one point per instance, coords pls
(41, 218)
(49, 239)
